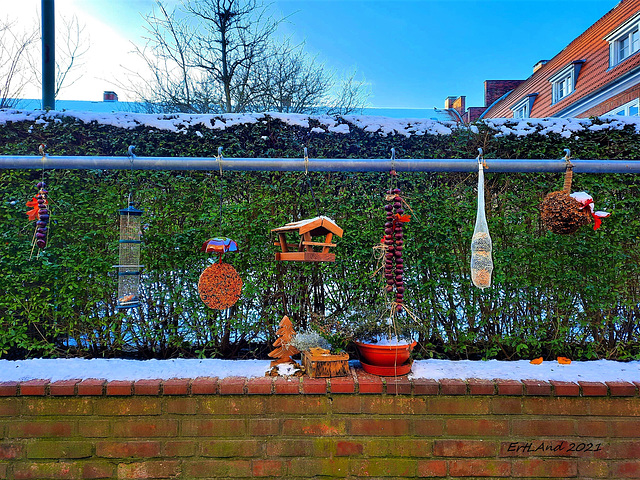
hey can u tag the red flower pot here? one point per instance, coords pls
(385, 360)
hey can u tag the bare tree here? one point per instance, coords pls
(221, 56)
(351, 96)
(14, 62)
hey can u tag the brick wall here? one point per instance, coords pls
(357, 427)
(494, 89)
(614, 102)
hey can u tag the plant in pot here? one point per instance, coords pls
(381, 338)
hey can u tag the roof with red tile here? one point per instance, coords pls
(590, 46)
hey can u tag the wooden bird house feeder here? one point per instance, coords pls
(308, 249)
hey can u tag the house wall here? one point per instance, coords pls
(594, 75)
(358, 426)
(614, 102)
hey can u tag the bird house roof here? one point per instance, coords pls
(315, 226)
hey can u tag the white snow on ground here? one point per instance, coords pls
(115, 369)
(180, 122)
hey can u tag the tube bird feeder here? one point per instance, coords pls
(129, 267)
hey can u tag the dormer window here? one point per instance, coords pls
(522, 109)
(563, 83)
(624, 41)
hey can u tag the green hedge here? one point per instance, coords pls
(576, 296)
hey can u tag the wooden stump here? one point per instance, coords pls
(322, 366)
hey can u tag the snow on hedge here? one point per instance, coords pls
(324, 124)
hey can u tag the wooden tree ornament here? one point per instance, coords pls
(308, 250)
(284, 350)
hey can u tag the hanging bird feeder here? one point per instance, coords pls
(220, 285)
(563, 212)
(308, 250)
(129, 257)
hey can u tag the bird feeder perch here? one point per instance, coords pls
(308, 250)
(129, 257)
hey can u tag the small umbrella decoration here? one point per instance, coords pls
(219, 285)
(563, 212)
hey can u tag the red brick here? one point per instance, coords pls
(147, 387)
(555, 406)
(322, 427)
(479, 468)
(221, 427)
(33, 387)
(464, 448)
(94, 428)
(57, 470)
(179, 448)
(432, 468)
(592, 428)
(294, 405)
(621, 389)
(369, 383)
(3, 470)
(547, 468)
(259, 386)
(476, 427)
(425, 386)
(232, 385)
(398, 385)
(314, 386)
(233, 405)
(509, 387)
(428, 427)
(624, 450)
(378, 427)
(458, 405)
(229, 448)
(625, 428)
(348, 449)
(629, 469)
(318, 447)
(32, 429)
(10, 451)
(181, 405)
(590, 468)
(407, 447)
(93, 470)
(130, 406)
(149, 469)
(538, 428)
(176, 386)
(204, 386)
(565, 389)
(59, 449)
(160, 427)
(393, 405)
(347, 404)
(593, 389)
(342, 385)
(9, 407)
(91, 386)
(114, 449)
(287, 386)
(267, 468)
(260, 427)
(614, 406)
(59, 406)
(507, 405)
(382, 467)
(8, 389)
(478, 386)
(452, 386)
(119, 387)
(218, 468)
(537, 387)
(63, 387)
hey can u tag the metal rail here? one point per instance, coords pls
(313, 165)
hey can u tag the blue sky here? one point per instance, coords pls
(412, 53)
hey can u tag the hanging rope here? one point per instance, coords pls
(131, 156)
(306, 174)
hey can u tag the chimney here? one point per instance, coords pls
(448, 102)
(494, 89)
(539, 65)
(109, 96)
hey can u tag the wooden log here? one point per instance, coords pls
(323, 366)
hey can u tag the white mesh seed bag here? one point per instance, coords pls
(481, 262)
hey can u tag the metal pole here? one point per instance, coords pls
(317, 165)
(48, 55)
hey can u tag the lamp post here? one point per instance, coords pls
(48, 55)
